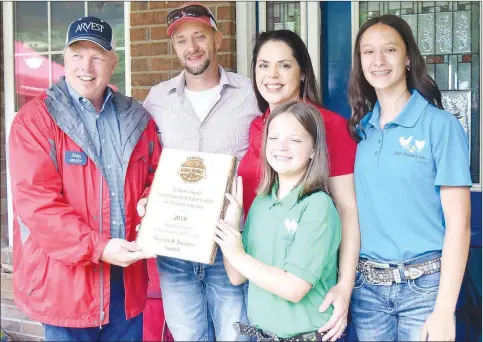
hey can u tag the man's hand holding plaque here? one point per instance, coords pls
(186, 201)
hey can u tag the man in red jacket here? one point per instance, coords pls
(81, 156)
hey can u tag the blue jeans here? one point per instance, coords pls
(200, 303)
(118, 328)
(394, 312)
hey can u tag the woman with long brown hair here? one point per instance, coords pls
(412, 186)
(282, 71)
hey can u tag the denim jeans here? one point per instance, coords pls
(200, 303)
(394, 312)
(118, 328)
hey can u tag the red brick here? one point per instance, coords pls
(139, 64)
(149, 79)
(158, 33)
(165, 4)
(139, 6)
(149, 49)
(159, 64)
(227, 28)
(148, 18)
(174, 73)
(32, 328)
(140, 94)
(139, 34)
(175, 64)
(228, 45)
(226, 12)
(228, 61)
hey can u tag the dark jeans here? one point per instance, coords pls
(118, 328)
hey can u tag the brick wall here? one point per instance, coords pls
(153, 58)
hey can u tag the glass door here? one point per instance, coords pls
(294, 16)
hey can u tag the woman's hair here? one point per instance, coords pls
(316, 176)
(362, 96)
(309, 90)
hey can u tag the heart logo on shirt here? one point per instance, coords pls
(420, 144)
(406, 143)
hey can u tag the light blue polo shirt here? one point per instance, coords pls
(398, 173)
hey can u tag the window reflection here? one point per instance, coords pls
(62, 14)
(39, 64)
(30, 25)
(113, 13)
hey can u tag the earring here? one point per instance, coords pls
(408, 67)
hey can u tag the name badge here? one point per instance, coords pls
(75, 158)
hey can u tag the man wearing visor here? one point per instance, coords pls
(203, 109)
(81, 157)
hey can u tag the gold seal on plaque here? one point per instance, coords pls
(192, 170)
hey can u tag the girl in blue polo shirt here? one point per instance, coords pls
(412, 184)
(292, 232)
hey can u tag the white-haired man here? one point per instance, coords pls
(81, 156)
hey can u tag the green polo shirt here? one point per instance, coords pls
(301, 237)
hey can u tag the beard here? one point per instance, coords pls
(199, 69)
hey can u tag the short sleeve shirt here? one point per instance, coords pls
(398, 174)
(301, 237)
(341, 148)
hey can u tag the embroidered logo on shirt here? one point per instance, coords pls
(291, 226)
(406, 144)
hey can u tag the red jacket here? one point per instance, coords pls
(61, 210)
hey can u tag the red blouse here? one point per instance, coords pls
(340, 145)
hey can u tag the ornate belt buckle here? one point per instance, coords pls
(413, 272)
(266, 336)
(370, 274)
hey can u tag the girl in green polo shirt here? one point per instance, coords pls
(288, 249)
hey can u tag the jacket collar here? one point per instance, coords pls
(133, 119)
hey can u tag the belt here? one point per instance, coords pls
(378, 273)
(262, 335)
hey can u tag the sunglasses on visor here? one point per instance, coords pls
(188, 11)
